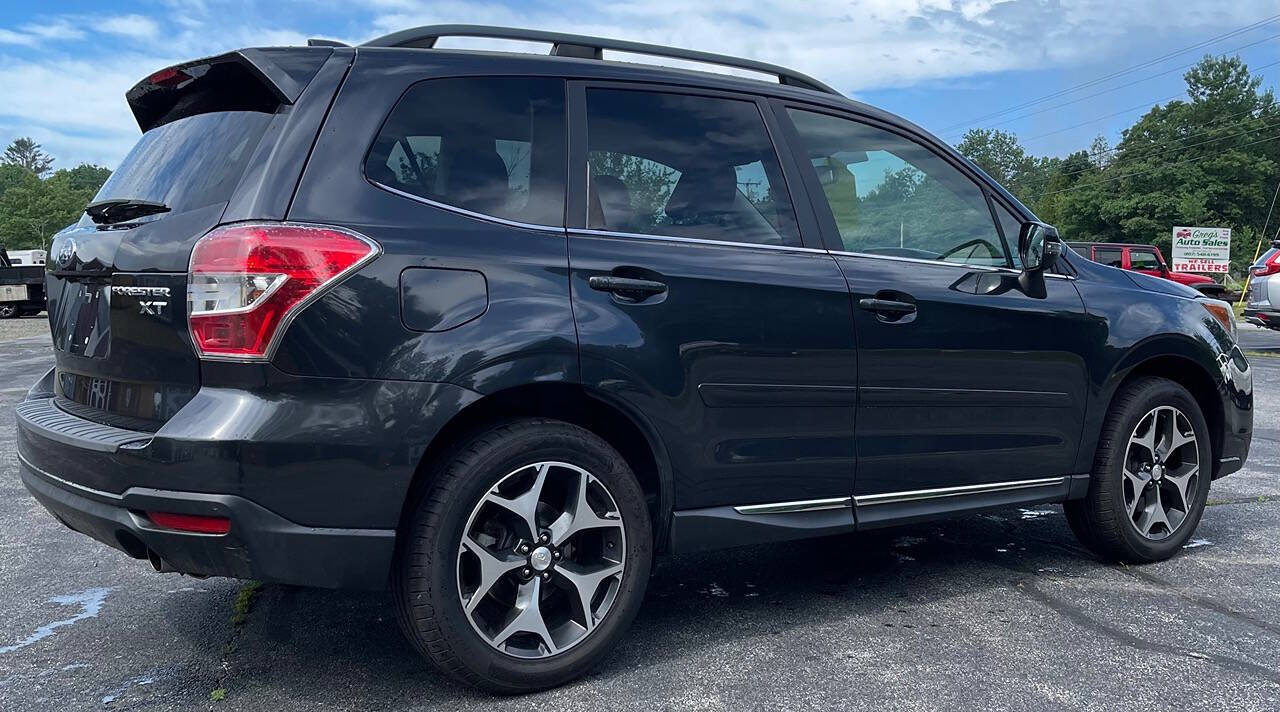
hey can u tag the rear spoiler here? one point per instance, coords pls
(245, 80)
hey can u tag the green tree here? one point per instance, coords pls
(1208, 160)
(1004, 159)
(31, 209)
(27, 153)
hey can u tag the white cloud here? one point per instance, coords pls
(71, 96)
(130, 26)
(856, 45)
(34, 34)
(17, 38)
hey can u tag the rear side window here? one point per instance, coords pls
(1111, 256)
(189, 163)
(684, 166)
(489, 145)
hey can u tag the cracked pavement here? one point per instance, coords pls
(999, 611)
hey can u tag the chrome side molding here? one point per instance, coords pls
(807, 505)
(868, 500)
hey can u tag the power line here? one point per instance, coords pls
(1144, 105)
(1149, 170)
(1125, 159)
(1122, 72)
(1214, 122)
(1129, 84)
(1267, 224)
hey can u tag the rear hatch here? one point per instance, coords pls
(1260, 275)
(117, 280)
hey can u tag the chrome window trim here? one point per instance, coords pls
(587, 232)
(984, 488)
(961, 265)
(807, 505)
(464, 212)
(690, 240)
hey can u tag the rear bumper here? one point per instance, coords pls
(261, 544)
(313, 476)
(1267, 317)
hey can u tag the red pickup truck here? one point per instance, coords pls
(1147, 260)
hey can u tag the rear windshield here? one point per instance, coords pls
(191, 162)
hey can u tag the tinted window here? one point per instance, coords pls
(686, 166)
(494, 146)
(1012, 227)
(1141, 259)
(189, 163)
(892, 196)
(1112, 256)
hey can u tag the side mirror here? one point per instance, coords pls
(1039, 246)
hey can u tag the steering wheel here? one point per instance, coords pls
(972, 245)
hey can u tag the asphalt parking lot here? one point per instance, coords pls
(997, 611)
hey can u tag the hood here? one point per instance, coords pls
(1158, 284)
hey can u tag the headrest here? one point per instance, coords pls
(615, 201)
(703, 191)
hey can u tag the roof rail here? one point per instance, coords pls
(584, 47)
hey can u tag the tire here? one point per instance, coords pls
(9, 311)
(1102, 519)
(433, 561)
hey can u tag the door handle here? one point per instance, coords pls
(888, 307)
(626, 286)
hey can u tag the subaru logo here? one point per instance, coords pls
(66, 254)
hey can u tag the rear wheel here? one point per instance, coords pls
(8, 311)
(526, 559)
(1150, 478)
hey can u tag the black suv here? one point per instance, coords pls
(494, 329)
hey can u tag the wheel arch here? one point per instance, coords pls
(626, 431)
(1184, 361)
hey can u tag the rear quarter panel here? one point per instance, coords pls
(524, 334)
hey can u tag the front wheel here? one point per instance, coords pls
(526, 559)
(8, 311)
(1150, 477)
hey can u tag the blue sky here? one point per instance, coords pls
(64, 66)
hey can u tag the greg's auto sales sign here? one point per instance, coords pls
(1201, 249)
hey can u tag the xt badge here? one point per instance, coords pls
(151, 300)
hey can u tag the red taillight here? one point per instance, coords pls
(169, 77)
(196, 523)
(1267, 267)
(248, 281)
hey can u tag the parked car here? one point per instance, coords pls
(1263, 304)
(21, 287)
(494, 330)
(1147, 259)
(27, 257)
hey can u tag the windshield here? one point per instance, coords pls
(189, 163)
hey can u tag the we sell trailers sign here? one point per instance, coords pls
(1201, 249)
